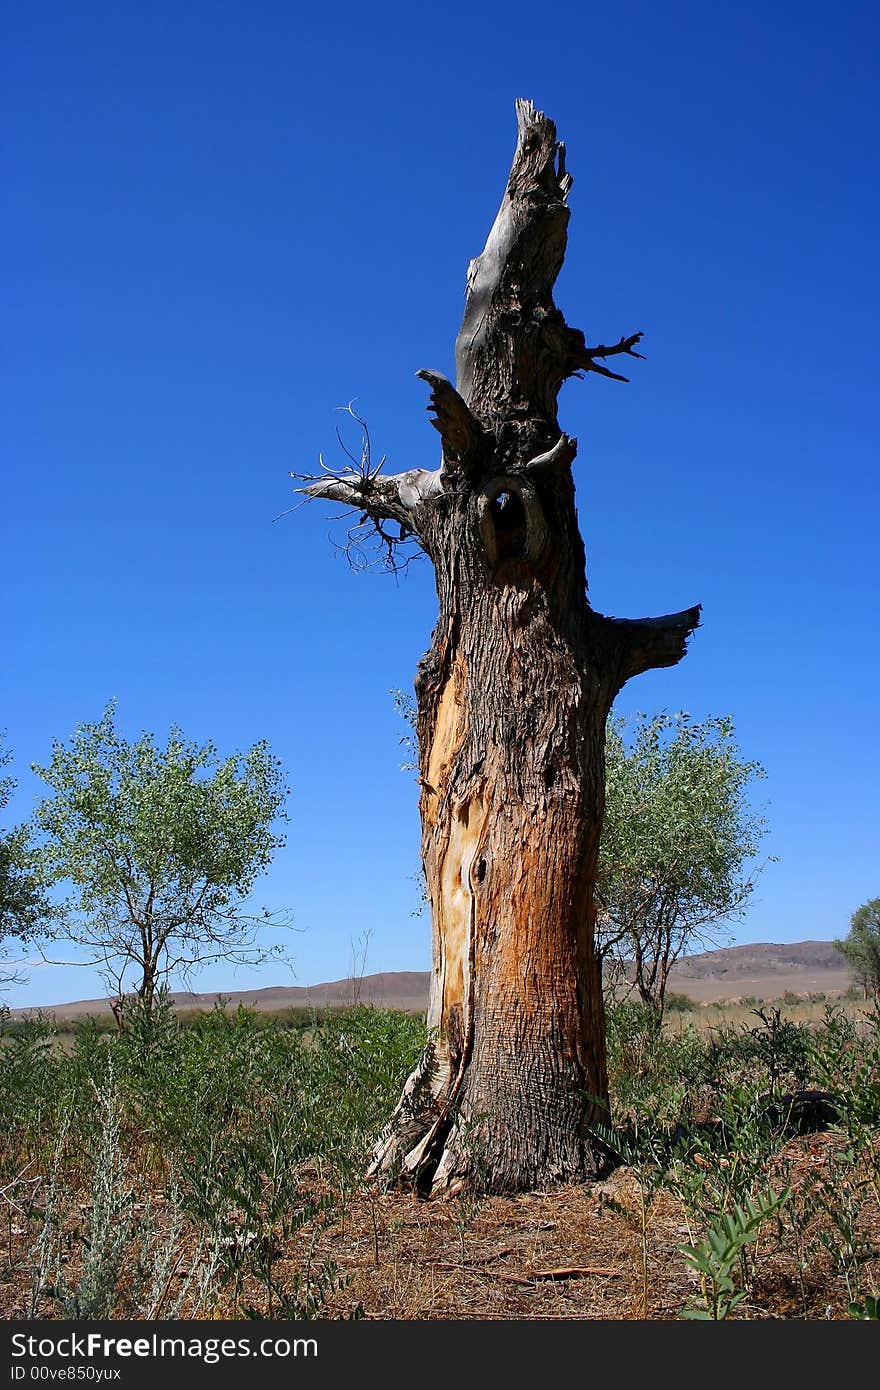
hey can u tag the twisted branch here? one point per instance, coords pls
(583, 358)
(375, 498)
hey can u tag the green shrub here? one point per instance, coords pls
(680, 1003)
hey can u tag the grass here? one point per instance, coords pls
(212, 1167)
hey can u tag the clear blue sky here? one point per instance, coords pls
(223, 220)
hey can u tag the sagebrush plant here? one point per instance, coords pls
(178, 1166)
(107, 1256)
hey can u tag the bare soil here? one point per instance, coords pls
(571, 1253)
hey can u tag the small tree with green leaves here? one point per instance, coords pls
(679, 840)
(160, 849)
(25, 911)
(862, 947)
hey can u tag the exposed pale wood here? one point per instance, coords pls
(392, 496)
(562, 454)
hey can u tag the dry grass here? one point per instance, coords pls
(739, 1013)
(569, 1253)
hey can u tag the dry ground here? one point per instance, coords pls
(563, 1254)
(566, 1254)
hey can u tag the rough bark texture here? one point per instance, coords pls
(512, 701)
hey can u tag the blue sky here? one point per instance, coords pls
(224, 220)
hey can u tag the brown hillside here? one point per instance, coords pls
(762, 969)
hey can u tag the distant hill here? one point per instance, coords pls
(399, 989)
(761, 969)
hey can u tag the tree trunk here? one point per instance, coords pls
(512, 701)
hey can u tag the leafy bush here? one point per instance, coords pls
(680, 1003)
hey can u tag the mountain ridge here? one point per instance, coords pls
(761, 969)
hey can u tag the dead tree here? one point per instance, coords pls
(512, 699)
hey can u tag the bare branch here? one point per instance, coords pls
(362, 486)
(352, 490)
(647, 643)
(583, 358)
(375, 498)
(394, 496)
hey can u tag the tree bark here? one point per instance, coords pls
(512, 701)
